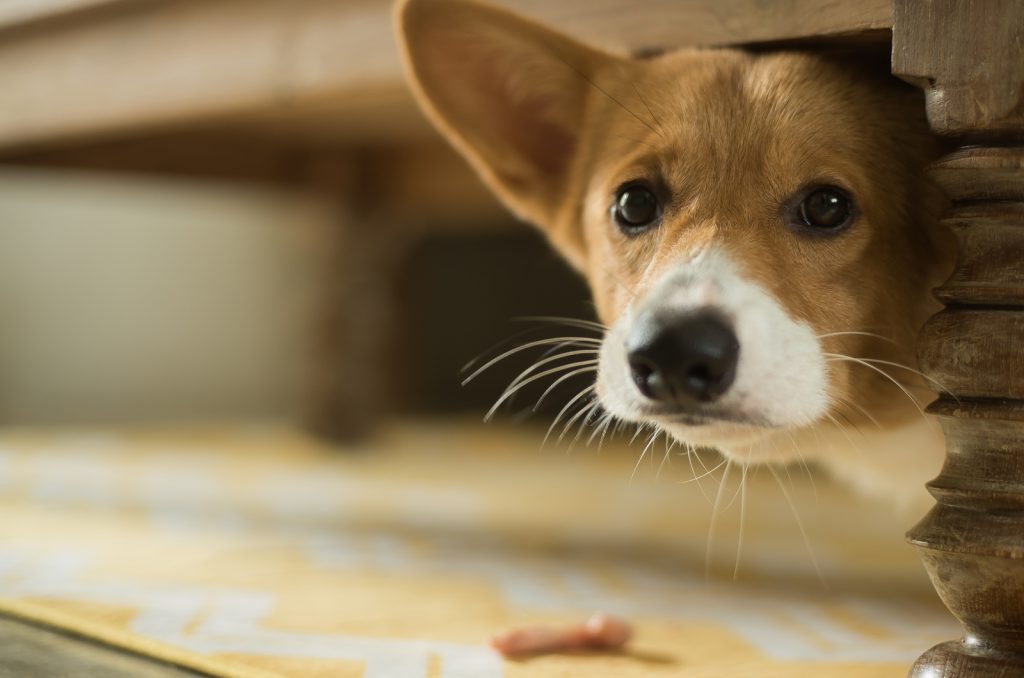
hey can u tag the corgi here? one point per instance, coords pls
(757, 230)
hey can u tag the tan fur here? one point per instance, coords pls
(554, 127)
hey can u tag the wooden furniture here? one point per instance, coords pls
(969, 58)
(311, 94)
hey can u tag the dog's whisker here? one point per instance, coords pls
(713, 523)
(736, 494)
(842, 429)
(546, 361)
(789, 477)
(601, 428)
(849, 422)
(568, 425)
(690, 454)
(590, 409)
(596, 430)
(694, 453)
(509, 392)
(858, 361)
(554, 348)
(562, 379)
(743, 514)
(785, 467)
(693, 470)
(518, 349)
(935, 382)
(802, 461)
(667, 458)
(585, 421)
(519, 382)
(800, 526)
(583, 393)
(655, 431)
(697, 478)
(861, 409)
(636, 433)
(610, 419)
(501, 345)
(643, 453)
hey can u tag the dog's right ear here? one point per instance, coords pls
(509, 95)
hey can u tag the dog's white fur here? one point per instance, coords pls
(781, 379)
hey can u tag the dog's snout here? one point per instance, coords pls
(685, 360)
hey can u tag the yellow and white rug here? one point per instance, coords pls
(261, 553)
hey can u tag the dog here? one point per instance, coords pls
(757, 230)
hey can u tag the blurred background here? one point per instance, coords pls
(140, 298)
(248, 220)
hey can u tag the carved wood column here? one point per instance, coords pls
(968, 56)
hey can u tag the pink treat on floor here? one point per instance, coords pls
(600, 632)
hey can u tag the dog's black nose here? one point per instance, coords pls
(686, 360)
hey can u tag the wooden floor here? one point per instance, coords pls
(262, 551)
(28, 651)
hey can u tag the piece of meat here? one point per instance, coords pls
(600, 632)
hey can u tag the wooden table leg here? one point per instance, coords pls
(969, 59)
(353, 380)
(355, 341)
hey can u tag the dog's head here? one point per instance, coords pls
(756, 229)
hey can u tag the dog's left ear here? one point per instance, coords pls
(509, 95)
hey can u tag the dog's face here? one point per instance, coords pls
(756, 230)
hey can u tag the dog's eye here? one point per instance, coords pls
(826, 208)
(636, 208)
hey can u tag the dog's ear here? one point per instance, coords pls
(508, 94)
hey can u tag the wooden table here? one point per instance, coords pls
(310, 93)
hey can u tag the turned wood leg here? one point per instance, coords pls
(969, 59)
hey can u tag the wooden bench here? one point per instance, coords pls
(310, 93)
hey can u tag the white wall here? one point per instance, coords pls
(136, 299)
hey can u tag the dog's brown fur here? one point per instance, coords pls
(554, 127)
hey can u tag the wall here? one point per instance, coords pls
(125, 299)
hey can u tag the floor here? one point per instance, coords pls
(28, 651)
(256, 552)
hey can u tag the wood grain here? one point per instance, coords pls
(991, 238)
(976, 353)
(981, 173)
(967, 57)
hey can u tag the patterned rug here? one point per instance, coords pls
(257, 552)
